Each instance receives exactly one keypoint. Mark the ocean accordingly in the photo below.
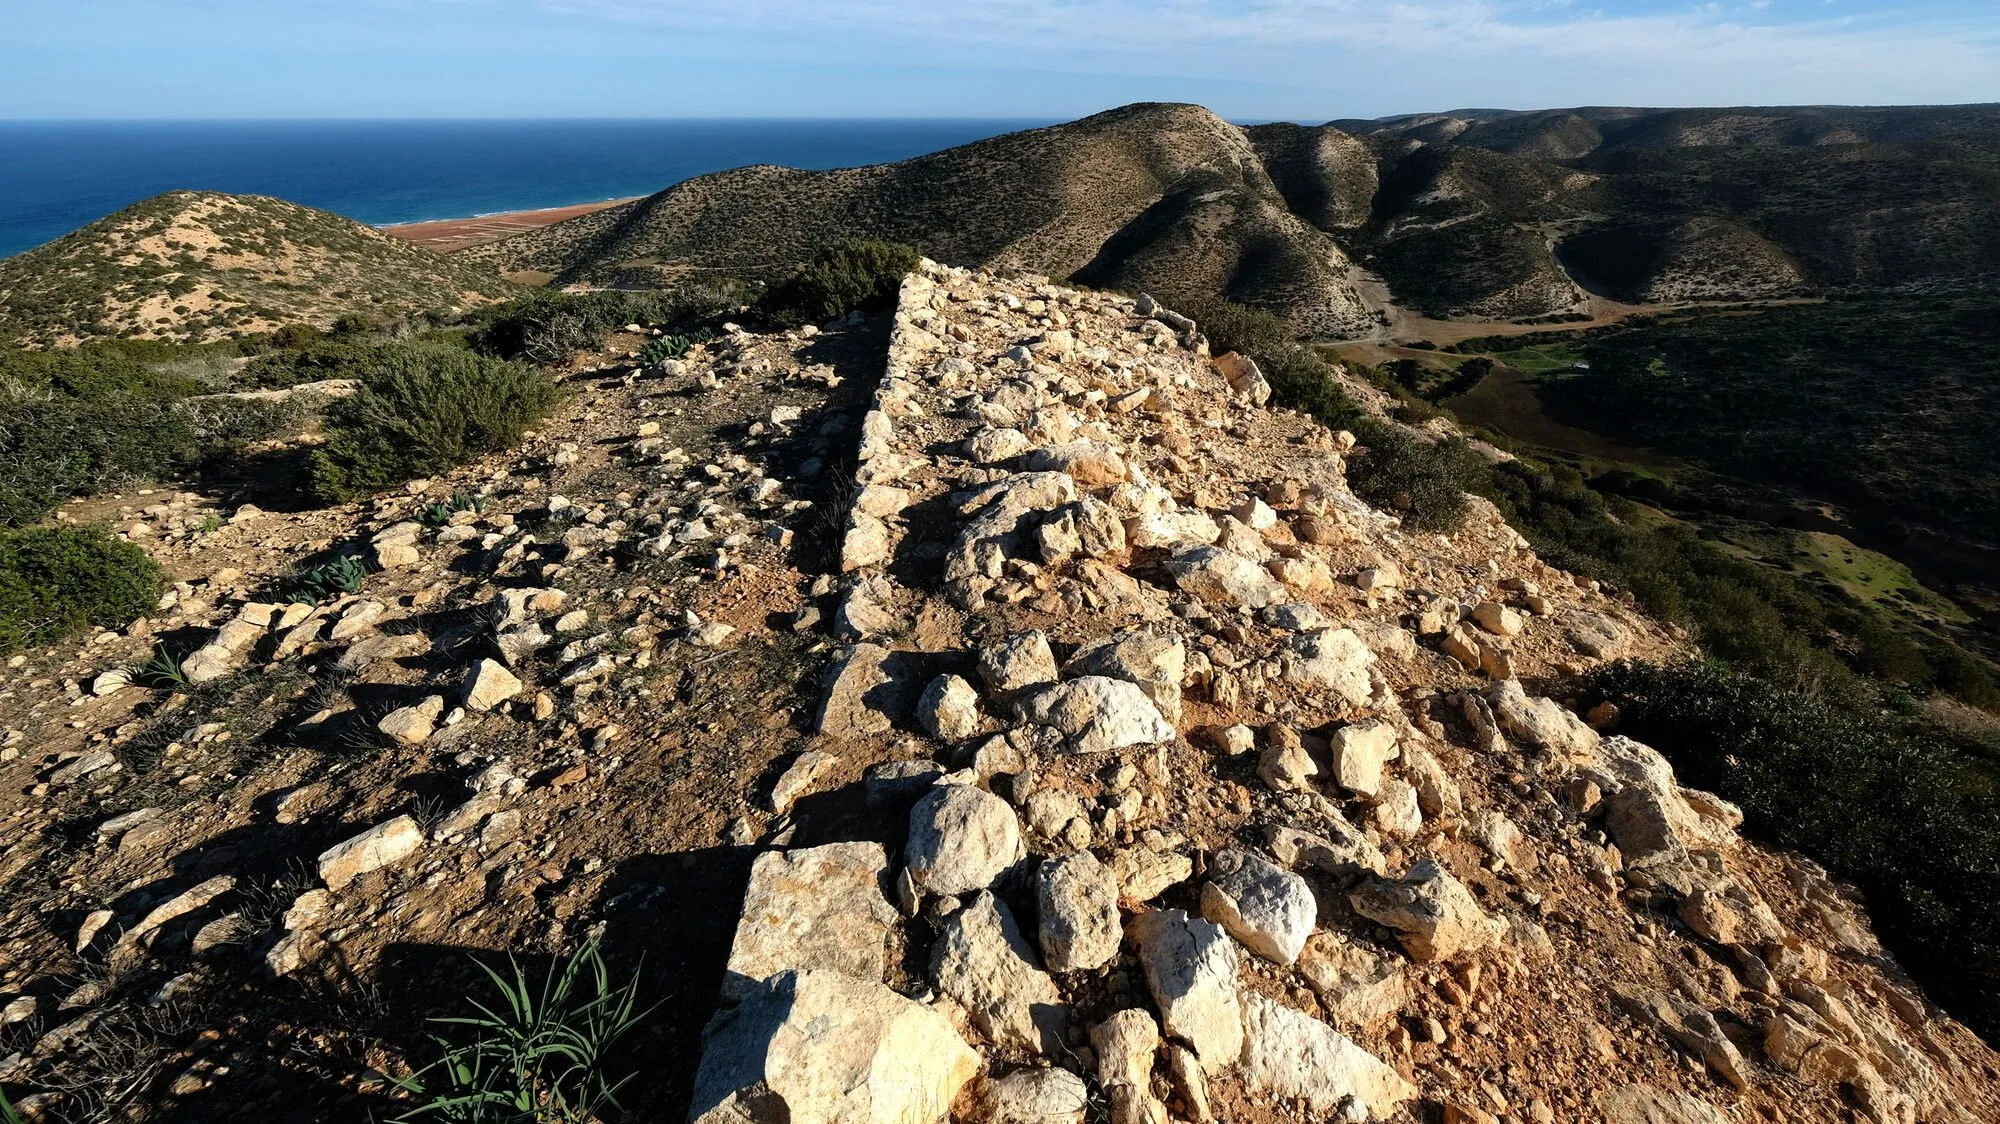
(56, 176)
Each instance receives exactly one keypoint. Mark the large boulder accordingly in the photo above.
(1157, 662)
(1266, 907)
(1190, 967)
(819, 1047)
(1097, 713)
(819, 907)
(1542, 723)
(985, 965)
(962, 839)
(1435, 917)
(1288, 1054)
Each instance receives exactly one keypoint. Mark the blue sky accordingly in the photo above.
(1248, 59)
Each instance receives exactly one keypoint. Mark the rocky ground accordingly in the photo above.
(1030, 727)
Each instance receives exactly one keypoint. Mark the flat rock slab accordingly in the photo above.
(820, 907)
(385, 844)
(853, 702)
(1288, 1054)
(1190, 967)
(819, 1047)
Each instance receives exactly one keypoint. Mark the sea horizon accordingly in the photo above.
(57, 175)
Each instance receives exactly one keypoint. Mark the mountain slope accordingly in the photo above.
(201, 265)
(1184, 191)
(1471, 215)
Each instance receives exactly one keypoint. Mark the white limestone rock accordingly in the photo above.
(1435, 917)
(961, 839)
(1333, 659)
(1268, 908)
(815, 908)
(385, 844)
(820, 1047)
(1220, 577)
(982, 961)
(1097, 713)
(1190, 967)
(1078, 899)
(1288, 1054)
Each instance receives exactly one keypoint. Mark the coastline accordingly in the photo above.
(446, 235)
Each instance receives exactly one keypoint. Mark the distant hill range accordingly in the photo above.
(193, 266)
(1480, 214)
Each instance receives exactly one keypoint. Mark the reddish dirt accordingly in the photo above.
(446, 235)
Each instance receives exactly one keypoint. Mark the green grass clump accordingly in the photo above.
(1897, 809)
(853, 273)
(422, 409)
(536, 1057)
(58, 581)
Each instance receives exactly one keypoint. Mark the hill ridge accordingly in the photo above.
(196, 266)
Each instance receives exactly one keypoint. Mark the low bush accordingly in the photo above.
(422, 409)
(57, 581)
(1894, 808)
(851, 274)
(55, 448)
(328, 580)
(547, 326)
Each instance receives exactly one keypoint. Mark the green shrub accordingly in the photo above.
(659, 350)
(547, 326)
(422, 409)
(1424, 480)
(851, 274)
(57, 581)
(52, 449)
(1892, 807)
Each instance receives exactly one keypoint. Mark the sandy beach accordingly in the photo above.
(446, 235)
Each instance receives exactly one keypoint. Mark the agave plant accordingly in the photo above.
(345, 574)
(662, 348)
(440, 513)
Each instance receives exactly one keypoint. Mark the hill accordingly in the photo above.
(195, 266)
(1162, 196)
(1482, 215)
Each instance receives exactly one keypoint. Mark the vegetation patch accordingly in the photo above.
(422, 409)
(1893, 808)
(56, 582)
(851, 274)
